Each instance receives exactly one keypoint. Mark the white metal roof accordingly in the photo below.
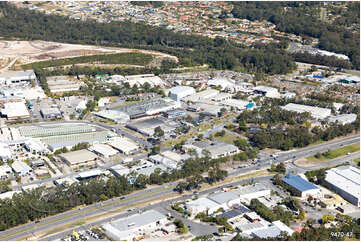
(124, 144)
(19, 166)
(316, 112)
(103, 149)
(181, 89)
(346, 178)
(15, 109)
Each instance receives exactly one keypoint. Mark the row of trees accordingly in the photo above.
(44, 202)
(299, 136)
(131, 58)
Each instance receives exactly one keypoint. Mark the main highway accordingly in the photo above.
(111, 209)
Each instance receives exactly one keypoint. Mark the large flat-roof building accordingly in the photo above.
(201, 96)
(304, 188)
(21, 168)
(218, 149)
(14, 77)
(270, 92)
(131, 227)
(54, 129)
(150, 107)
(179, 92)
(59, 84)
(316, 112)
(103, 150)
(124, 145)
(79, 158)
(343, 118)
(5, 152)
(202, 204)
(50, 113)
(114, 115)
(140, 80)
(147, 126)
(345, 180)
(15, 110)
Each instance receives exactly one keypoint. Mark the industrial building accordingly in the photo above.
(220, 149)
(113, 115)
(20, 168)
(5, 152)
(179, 92)
(345, 180)
(17, 77)
(5, 172)
(175, 113)
(119, 170)
(15, 110)
(68, 141)
(54, 129)
(65, 182)
(8, 195)
(159, 159)
(304, 188)
(201, 96)
(35, 146)
(124, 145)
(134, 226)
(343, 118)
(147, 126)
(272, 231)
(202, 205)
(140, 80)
(50, 113)
(270, 92)
(59, 84)
(150, 107)
(79, 158)
(316, 112)
(238, 104)
(103, 150)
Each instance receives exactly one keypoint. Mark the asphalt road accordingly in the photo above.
(101, 208)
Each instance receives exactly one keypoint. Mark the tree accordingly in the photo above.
(158, 132)
(327, 218)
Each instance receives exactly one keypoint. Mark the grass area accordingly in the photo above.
(133, 58)
(180, 138)
(204, 127)
(259, 173)
(332, 154)
(223, 119)
(357, 160)
(227, 138)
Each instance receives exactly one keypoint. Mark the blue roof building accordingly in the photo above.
(304, 187)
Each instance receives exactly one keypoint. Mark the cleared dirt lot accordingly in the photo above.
(32, 51)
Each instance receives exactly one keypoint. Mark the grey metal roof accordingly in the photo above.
(299, 183)
(271, 232)
(223, 197)
(234, 212)
(138, 220)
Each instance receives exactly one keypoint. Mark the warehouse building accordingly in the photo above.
(304, 188)
(65, 182)
(270, 92)
(5, 172)
(60, 84)
(35, 146)
(175, 113)
(150, 107)
(113, 115)
(15, 110)
(343, 118)
(119, 170)
(345, 180)
(124, 145)
(179, 92)
(50, 113)
(54, 129)
(250, 192)
(79, 158)
(202, 205)
(140, 80)
(159, 159)
(5, 152)
(135, 226)
(272, 231)
(238, 104)
(103, 150)
(20, 168)
(316, 112)
(201, 96)
(220, 149)
(68, 141)
(17, 77)
(146, 127)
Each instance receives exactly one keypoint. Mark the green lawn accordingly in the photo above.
(227, 138)
(332, 154)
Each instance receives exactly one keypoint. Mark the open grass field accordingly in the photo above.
(332, 154)
(227, 138)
